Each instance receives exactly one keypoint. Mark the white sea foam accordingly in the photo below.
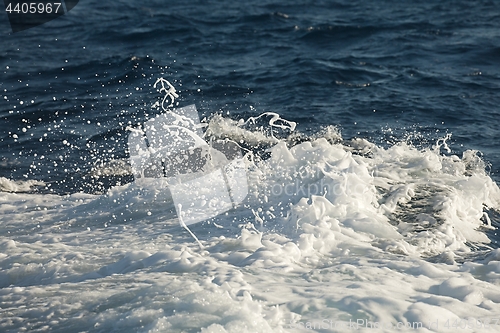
(333, 236)
(7, 185)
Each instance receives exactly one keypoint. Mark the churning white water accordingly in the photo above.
(335, 235)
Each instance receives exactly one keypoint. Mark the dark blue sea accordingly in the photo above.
(400, 97)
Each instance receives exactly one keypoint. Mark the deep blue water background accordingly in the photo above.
(383, 70)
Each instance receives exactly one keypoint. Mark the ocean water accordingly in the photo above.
(370, 136)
